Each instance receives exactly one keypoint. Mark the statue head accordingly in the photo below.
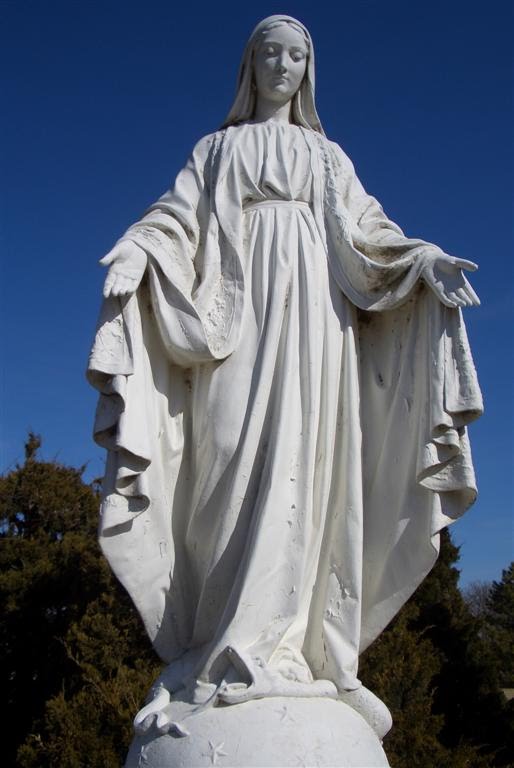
(252, 74)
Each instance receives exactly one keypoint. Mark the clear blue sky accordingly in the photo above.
(102, 102)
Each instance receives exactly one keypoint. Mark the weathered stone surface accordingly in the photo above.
(285, 385)
(266, 733)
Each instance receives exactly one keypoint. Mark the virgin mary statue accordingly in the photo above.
(285, 385)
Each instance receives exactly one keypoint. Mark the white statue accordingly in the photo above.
(285, 386)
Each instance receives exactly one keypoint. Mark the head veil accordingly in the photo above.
(303, 110)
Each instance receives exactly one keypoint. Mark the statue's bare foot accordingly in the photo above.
(370, 707)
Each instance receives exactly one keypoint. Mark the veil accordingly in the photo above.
(303, 107)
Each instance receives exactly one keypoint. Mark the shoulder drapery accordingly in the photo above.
(418, 389)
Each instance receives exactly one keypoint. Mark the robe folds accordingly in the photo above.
(284, 405)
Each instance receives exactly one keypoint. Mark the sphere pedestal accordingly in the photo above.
(265, 733)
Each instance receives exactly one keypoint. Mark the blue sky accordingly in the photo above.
(103, 101)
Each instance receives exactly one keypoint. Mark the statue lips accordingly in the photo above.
(279, 84)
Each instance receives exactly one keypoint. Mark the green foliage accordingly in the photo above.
(467, 685)
(498, 628)
(75, 663)
(90, 722)
(399, 668)
(73, 657)
(435, 671)
(476, 594)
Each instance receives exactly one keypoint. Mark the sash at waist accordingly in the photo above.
(274, 203)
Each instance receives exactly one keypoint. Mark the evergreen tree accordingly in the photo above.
(88, 723)
(499, 626)
(67, 631)
(434, 671)
(476, 595)
(467, 689)
(75, 663)
(399, 668)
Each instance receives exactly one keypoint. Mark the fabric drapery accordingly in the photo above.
(284, 406)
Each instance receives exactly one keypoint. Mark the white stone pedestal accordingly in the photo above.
(265, 733)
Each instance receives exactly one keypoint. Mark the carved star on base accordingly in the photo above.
(216, 752)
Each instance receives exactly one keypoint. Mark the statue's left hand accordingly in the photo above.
(444, 275)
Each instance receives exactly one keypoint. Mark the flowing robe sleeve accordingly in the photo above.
(187, 310)
(418, 393)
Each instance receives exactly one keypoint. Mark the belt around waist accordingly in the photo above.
(272, 203)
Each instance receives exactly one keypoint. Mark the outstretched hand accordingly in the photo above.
(445, 277)
(127, 263)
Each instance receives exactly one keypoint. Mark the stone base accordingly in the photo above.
(265, 733)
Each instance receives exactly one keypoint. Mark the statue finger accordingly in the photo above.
(109, 257)
(122, 285)
(443, 297)
(454, 296)
(463, 296)
(438, 288)
(475, 301)
(465, 264)
(109, 282)
(469, 296)
(129, 284)
(126, 286)
(118, 288)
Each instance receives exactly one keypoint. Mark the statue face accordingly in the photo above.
(280, 61)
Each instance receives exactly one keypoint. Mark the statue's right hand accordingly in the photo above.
(127, 262)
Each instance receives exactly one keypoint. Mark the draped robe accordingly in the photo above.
(284, 405)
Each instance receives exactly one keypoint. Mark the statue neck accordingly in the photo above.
(270, 110)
